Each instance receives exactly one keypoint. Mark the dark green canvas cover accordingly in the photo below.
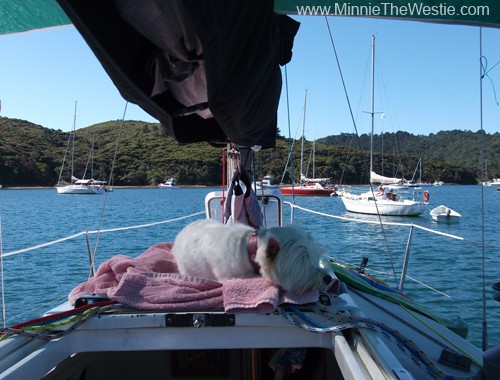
(209, 70)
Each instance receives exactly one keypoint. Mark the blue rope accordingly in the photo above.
(484, 66)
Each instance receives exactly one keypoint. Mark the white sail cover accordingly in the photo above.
(377, 178)
(303, 178)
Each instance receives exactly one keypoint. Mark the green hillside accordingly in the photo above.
(31, 155)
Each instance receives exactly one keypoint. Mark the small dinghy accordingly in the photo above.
(443, 214)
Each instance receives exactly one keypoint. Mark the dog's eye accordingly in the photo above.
(327, 279)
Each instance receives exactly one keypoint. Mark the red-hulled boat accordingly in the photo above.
(308, 189)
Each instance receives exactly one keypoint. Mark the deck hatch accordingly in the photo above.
(200, 320)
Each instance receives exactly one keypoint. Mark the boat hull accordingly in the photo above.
(446, 219)
(77, 189)
(383, 207)
(443, 214)
(301, 191)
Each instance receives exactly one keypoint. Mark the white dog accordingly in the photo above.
(286, 256)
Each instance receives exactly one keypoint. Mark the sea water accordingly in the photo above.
(450, 265)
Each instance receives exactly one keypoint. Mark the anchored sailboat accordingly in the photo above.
(79, 186)
(308, 186)
(387, 201)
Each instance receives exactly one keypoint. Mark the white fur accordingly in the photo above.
(212, 250)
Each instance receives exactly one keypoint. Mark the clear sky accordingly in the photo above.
(427, 78)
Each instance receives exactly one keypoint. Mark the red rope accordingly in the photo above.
(54, 317)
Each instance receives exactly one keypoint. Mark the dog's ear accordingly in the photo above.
(273, 247)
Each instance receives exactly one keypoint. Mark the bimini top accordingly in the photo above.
(207, 71)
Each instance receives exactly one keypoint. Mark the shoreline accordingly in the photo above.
(179, 187)
(113, 187)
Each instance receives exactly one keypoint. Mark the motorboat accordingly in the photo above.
(168, 184)
(444, 214)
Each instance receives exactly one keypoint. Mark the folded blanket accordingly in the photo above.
(152, 281)
(167, 291)
(258, 294)
(250, 294)
(156, 259)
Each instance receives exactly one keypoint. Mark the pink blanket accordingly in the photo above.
(151, 281)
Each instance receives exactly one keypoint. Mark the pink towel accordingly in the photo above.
(256, 294)
(250, 294)
(167, 291)
(156, 259)
(152, 281)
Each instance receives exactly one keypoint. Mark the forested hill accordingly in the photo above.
(32, 155)
(455, 147)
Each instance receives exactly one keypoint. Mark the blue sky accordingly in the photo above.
(426, 79)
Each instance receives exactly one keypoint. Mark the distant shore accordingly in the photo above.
(114, 187)
(156, 186)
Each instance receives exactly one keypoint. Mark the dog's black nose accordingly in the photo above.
(327, 279)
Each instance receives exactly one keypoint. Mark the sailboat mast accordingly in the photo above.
(303, 132)
(92, 157)
(373, 103)
(73, 147)
(420, 174)
(314, 155)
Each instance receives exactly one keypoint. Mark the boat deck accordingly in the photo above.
(109, 340)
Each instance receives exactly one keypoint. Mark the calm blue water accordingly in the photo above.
(33, 279)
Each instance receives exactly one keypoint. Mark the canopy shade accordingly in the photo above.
(17, 16)
(24, 15)
(464, 12)
(209, 70)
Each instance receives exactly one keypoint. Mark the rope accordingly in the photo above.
(401, 320)
(11, 253)
(46, 328)
(347, 219)
(414, 315)
(484, 66)
(343, 323)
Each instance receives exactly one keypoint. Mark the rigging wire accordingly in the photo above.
(481, 161)
(110, 180)
(4, 320)
(64, 158)
(73, 146)
(290, 151)
(360, 148)
(290, 142)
